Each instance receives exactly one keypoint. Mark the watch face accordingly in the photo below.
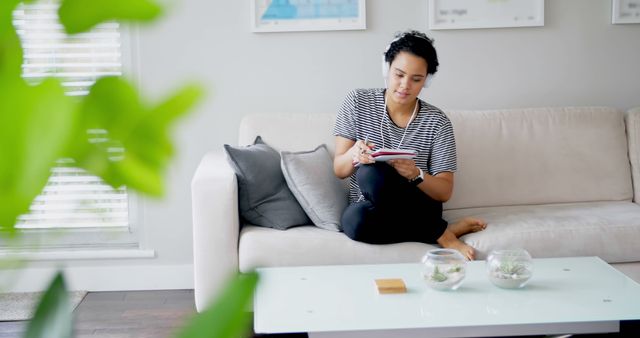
(418, 179)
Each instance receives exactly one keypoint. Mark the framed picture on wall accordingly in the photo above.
(307, 15)
(466, 14)
(625, 11)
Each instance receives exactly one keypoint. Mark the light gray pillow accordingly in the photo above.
(264, 198)
(309, 175)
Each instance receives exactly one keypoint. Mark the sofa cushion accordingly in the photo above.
(632, 121)
(310, 245)
(289, 131)
(609, 230)
(310, 177)
(264, 198)
(540, 156)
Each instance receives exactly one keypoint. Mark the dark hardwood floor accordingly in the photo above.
(159, 314)
(124, 314)
(129, 314)
(133, 313)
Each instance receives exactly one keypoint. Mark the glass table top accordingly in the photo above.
(344, 297)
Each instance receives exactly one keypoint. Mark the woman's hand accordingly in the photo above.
(405, 167)
(361, 152)
(348, 154)
(438, 187)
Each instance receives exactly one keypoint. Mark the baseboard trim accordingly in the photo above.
(61, 255)
(101, 278)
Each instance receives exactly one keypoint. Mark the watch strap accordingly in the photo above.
(418, 179)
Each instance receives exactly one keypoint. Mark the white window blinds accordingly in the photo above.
(72, 198)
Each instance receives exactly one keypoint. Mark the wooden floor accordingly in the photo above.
(128, 314)
(157, 314)
(123, 314)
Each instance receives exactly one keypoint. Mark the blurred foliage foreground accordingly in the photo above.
(39, 125)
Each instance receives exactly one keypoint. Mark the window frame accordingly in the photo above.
(92, 238)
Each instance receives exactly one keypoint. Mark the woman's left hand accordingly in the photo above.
(406, 168)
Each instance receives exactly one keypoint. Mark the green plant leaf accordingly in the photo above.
(133, 146)
(36, 123)
(53, 317)
(6, 12)
(228, 316)
(7, 6)
(10, 50)
(438, 276)
(152, 135)
(79, 16)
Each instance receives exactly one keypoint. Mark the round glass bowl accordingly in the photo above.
(509, 268)
(444, 269)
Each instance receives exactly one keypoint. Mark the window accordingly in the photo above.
(83, 209)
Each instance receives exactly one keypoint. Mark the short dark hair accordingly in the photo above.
(416, 43)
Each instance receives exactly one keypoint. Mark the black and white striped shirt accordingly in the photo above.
(430, 134)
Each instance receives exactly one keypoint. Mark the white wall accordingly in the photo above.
(577, 58)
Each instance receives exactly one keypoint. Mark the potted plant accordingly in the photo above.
(509, 268)
(40, 124)
(443, 269)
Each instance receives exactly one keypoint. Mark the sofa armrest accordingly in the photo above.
(632, 122)
(216, 226)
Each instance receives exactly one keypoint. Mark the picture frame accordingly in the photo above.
(472, 14)
(307, 15)
(625, 11)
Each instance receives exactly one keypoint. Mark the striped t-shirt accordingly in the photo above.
(430, 134)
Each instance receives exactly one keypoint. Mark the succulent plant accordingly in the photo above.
(512, 268)
(454, 269)
(438, 276)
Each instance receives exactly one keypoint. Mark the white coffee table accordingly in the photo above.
(565, 295)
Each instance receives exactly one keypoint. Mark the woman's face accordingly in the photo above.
(406, 78)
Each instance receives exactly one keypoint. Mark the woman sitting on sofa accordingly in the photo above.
(399, 200)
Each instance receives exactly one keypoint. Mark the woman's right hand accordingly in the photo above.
(361, 152)
(349, 154)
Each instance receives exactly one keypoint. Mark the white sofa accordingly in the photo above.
(555, 181)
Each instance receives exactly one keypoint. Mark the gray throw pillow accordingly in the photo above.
(309, 175)
(264, 197)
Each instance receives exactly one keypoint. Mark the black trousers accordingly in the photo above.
(392, 211)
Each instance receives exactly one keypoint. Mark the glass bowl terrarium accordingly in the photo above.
(509, 268)
(444, 269)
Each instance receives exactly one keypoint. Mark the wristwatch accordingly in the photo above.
(418, 179)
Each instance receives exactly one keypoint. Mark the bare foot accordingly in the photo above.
(450, 241)
(467, 251)
(466, 225)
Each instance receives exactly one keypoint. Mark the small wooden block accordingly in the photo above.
(393, 285)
